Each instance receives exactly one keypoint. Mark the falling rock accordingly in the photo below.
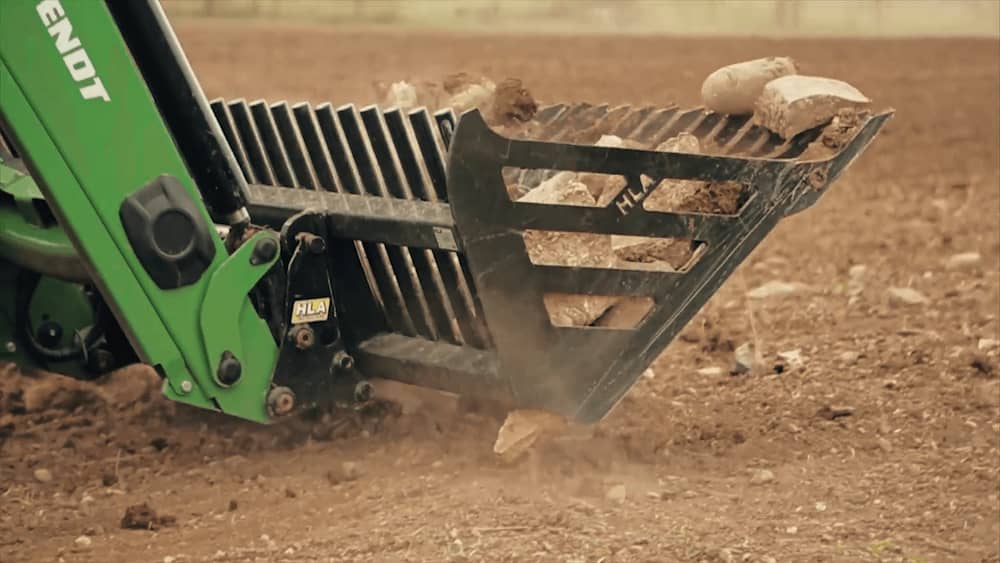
(792, 104)
(616, 493)
(43, 475)
(907, 296)
(744, 359)
(962, 260)
(774, 288)
(522, 429)
(761, 476)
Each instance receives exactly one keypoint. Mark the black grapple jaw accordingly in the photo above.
(429, 272)
(582, 372)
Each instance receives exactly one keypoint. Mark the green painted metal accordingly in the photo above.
(89, 154)
(54, 300)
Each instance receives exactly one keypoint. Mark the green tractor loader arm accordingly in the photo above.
(265, 258)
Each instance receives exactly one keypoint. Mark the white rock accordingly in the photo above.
(962, 260)
(744, 358)
(616, 493)
(522, 429)
(793, 357)
(711, 370)
(83, 541)
(43, 475)
(849, 357)
(986, 344)
(733, 89)
(774, 288)
(792, 104)
(649, 374)
(820, 506)
(792, 530)
(611, 141)
(907, 296)
(169, 559)
(761, 476)
(857, 271)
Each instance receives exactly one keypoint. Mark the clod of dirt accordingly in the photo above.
(130, 385)
(733, 89)
(513, 103)
(474, 96)
(233, 505)
(982, 364)
(836, 135)
(522, 429)
(55, 392)
(143, 517)
(43, 475)
(834, 412)
(906, 296)
(347, 471)
(108, 479)
(289, 493)
(792, 104)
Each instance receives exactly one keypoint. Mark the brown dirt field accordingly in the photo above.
(912, 474)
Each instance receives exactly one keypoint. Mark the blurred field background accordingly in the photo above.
(773, 18)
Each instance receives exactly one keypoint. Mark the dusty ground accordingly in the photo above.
(910, 475)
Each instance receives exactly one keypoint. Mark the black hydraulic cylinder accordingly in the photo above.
(177, 94)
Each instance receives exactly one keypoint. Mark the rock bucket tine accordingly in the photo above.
(272, 144)
(252, 143)
(433, 150)
(548, 113)
(466, 328)
(336, 144)
(225, 120)
(397, 267)
(319, 154)
(555, 126)
(428, 288)
(653, 124)
(445, 120)
(469, 313)
(628, 127)
(291, 140)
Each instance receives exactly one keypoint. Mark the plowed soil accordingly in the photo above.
(880, 444)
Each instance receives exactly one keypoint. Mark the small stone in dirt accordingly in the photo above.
(233, 505)
(849, 357)
(987, 344)
(793, 357)
(761, 476)
(774, 288)
(962, 260)
(83, 541)
(43, 475)
(834, 412)
(726, 556)
(744, 359)
(982, 365)
(348, 471)
(289, 493)
(792, 530)
(169, 559)
(907, 296)
(616, 493)
(712, 370)
(143, 517)
(885, 445)
(820, 506)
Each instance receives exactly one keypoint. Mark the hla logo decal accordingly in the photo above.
(74, 55)
(310, 310)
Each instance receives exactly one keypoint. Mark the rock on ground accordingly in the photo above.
(907, 296)
(792, 104)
